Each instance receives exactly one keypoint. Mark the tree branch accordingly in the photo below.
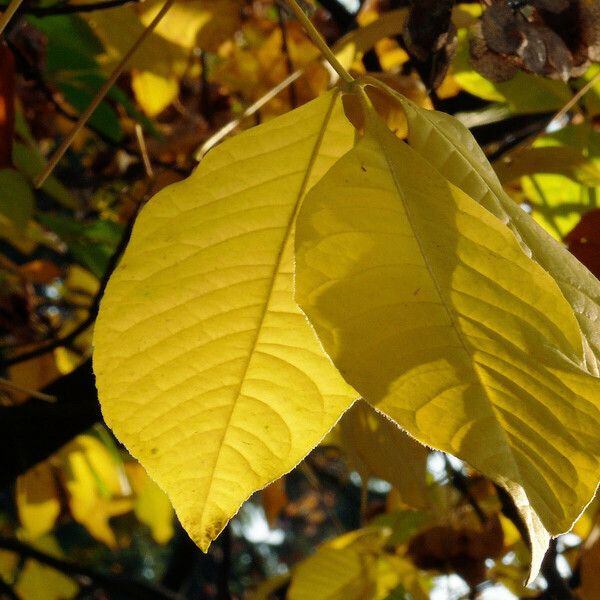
(68, 9)
(136, 589)
(32, 431)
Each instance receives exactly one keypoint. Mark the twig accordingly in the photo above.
(223, 592)
(11, 386)
(8, 14)
(319, 42)
(460, 482)
(87, 113)
(139, 134)
(6, 591)
(205, 100)
(528, 141)
(139, 590)
(558, 588)
(87, 322)
(216, 137)
(68, 9)
(286, 52)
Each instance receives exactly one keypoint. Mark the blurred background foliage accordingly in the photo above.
(366, 515)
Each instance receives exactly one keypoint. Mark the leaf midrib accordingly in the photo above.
(276, 267)
(467, 347)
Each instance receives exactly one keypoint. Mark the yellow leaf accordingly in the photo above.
(590, 571)
(351, 567)
(38, 502)
(430, 309)
(354, 44)
(166, 52)
(550, 159)
(152, 507)
(377, 447)
(9, 561)
(40, 582)
(453, 151)
(153, 92)
(206, 368)
(274, 499)
(334, 574)
(265, 590)
(92, 481)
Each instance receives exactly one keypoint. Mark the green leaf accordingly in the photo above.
(453, 151)
(91, 244)
(31, 163)
(104, 118)
(206, 368)
(71, 45)
(430, 309)
(16, 197)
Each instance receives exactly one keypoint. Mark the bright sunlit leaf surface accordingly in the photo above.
(432, 311)
(206, 368)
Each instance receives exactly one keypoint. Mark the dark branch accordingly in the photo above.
(137, 589)
(32, 431)
(6, 591)
(68, 9)
(86, 323)
(461, 483)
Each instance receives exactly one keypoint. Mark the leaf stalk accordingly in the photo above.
(319, 42)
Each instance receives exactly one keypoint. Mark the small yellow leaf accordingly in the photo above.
(206, 368)
(153, 92)
(92, 482)
(346, 568)
(355, 43)
(38, 501)
(274, 499)
(152, 506)
(377, 447)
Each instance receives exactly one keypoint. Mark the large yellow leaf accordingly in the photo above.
(205, 366)
(377, 447)
(430, 309)
(452, 150)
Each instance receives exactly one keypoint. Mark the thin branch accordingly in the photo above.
(68, 9)
(87, 322)
(139, 133)
(6, 591)
(216, 137)
(319, 42)
(8, 14)
(286, 52)
(11, 386)
(223, 592)
(87, 113)
(461, 483)
(528, 141)
(137, 589)
(558, 588)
